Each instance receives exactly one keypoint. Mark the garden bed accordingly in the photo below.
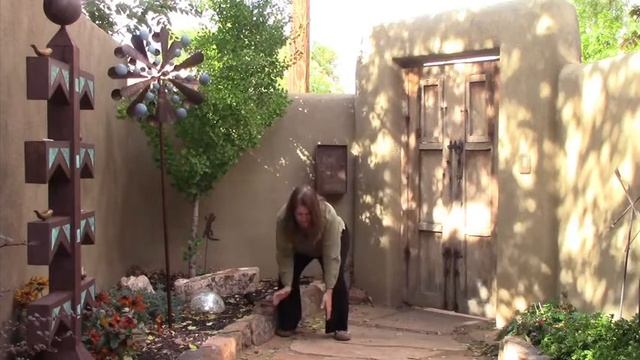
(190, 330)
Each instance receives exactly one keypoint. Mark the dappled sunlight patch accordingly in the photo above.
(478, 216)
(544, 90)
(593, 101)
(546, 25)
(510, 62)
(572, 148)
(381, 149)
(453, 45)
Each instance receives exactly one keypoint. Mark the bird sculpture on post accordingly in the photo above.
(61, 160)
(161, 92)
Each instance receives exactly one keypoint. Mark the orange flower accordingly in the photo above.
(137, 304)
(127, 322)
(115, 321)
(125, 301)
(159, 323)
(102, 298)
(94, 336)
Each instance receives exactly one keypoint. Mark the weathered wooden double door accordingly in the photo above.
(450, 186)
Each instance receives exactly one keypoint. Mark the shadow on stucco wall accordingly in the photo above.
(599, 121)
(532, 51)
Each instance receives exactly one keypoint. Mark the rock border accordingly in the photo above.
(259, 327)
(516, 348)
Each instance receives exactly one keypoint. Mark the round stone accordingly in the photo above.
(121, 70)
(204, 79)
(140, 110)
(62, 12)
(181, 113)
(185, 40)
(177, 53)
(175, 98)
(189, 78)
(156, 86)
(144, 34)
(149, 96)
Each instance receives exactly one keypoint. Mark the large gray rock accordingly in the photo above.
(214, 348)
(240, 331)
(311, 299)
(236, 281)
(515, 348)
(262, 328)
(137, 283)
(358, 296)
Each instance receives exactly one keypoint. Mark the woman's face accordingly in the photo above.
(303, 218)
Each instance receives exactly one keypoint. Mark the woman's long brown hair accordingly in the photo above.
(307, 197)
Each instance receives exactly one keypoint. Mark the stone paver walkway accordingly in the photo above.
(384, 334)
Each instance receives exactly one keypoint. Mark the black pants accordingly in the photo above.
(290, 308)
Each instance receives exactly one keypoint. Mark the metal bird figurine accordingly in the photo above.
(42, 52)
(44, 215)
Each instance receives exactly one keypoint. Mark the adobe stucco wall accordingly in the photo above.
(247, 198)
(599, 119)
(124, 199)
(535, 39)
(125, 193)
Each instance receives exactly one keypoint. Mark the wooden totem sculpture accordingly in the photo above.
(61, 160)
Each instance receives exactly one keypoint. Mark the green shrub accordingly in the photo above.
(561, 332)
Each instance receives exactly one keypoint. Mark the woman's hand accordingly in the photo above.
(281, 295)
(327, 302)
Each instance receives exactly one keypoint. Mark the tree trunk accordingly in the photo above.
(194, 236)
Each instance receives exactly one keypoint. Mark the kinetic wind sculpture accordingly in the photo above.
(60, 161)
(162, 93)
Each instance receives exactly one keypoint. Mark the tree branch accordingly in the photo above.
(6, 241)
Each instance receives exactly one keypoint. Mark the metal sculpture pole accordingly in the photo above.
(60, 160)
(161, 95)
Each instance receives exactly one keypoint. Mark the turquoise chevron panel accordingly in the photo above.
(53, 152)
(65, 74)
(54, 73)
(65, 154)
(54, 236)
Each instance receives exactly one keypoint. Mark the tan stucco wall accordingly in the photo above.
(535, 39)
(247, 198)
(125, 193)
(598, 113)
(124, 199)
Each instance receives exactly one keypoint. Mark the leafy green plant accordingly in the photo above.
(323, 77)
(607, 28)
(561, 332)
(535, 322)
(118, 17)
(243, 99)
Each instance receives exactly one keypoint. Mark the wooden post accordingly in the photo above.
(298, 74)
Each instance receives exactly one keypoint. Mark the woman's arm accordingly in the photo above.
(331, 246)
(284, 254)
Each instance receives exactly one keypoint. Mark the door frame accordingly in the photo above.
(412, 78)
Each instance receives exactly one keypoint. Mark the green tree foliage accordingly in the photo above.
(243, 99)
(607, 28)
(323, 78)
(631, 40)
(136, 13)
